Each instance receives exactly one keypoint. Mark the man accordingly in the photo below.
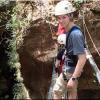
(75, 56)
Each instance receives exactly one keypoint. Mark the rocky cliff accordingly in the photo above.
(39, 47)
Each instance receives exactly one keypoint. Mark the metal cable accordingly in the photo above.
(89, 55)
(92, 39)
(85, 26)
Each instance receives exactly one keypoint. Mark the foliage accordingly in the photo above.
(18, 24)
(13, 62)
(4, 2)
(10, 65)
(19, 91)
(78, 3)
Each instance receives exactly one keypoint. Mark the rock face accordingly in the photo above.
(36, 58)
(39, 49)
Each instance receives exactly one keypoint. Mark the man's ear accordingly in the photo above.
(70, 16)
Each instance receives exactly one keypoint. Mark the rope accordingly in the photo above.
(92, 40)
(89, 55)
(85, 26)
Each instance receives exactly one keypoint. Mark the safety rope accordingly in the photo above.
(84, 24)
(89, 55)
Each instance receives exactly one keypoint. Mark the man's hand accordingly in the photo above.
(71, 84)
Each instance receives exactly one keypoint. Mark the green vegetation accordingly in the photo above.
(10, 65)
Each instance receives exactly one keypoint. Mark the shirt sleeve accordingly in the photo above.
(78, 42)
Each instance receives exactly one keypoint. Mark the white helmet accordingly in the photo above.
(62, 39)
(64, 7)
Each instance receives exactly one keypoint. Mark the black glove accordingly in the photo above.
(56, 70)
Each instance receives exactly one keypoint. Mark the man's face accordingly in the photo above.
(63, 20)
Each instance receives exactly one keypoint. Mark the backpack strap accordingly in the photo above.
(67, 36)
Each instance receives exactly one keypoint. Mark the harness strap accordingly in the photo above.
(66, 54)
(67, 36)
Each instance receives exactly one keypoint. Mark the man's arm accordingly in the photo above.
(79, 66)
(79, 50)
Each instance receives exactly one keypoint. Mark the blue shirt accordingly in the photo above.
(75, 47)
(76, 43)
